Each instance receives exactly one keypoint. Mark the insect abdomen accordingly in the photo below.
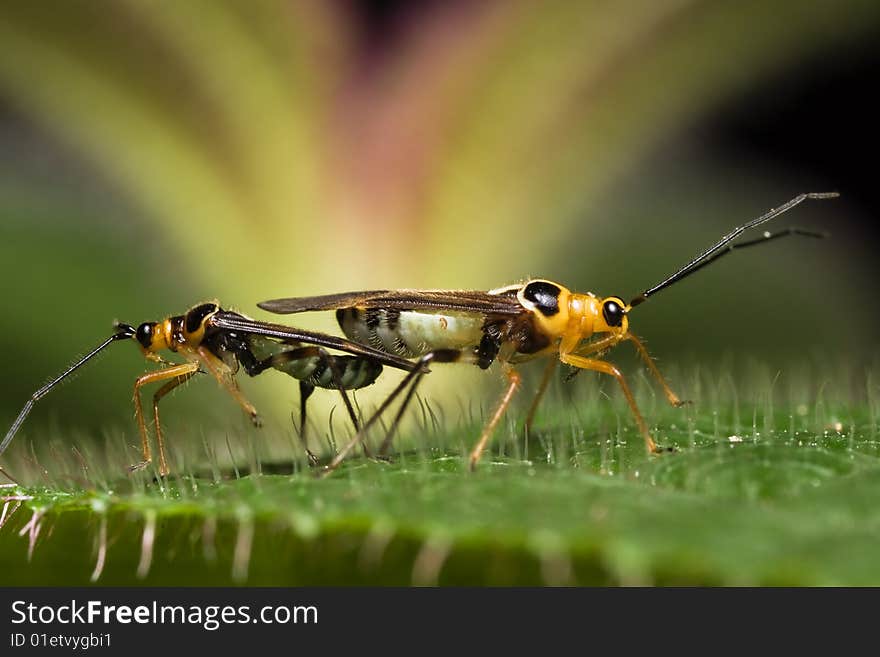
(410, 333)
(353, 372)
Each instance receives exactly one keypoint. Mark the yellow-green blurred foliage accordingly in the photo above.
(161, 153)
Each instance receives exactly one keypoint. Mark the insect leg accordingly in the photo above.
(439, 356)
(305, 391)
(336, 377)
(607, 368)
(220, 371)
(595, 347)
(646, 357)
(545, 382)
(386, 443)
(173, 372)
(514, 379)
(278, 361)
(412, 379)
(307, 386)
(161, 392)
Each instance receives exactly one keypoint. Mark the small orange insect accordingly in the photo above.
(217, 341)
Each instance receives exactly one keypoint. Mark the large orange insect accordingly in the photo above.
(512, 324)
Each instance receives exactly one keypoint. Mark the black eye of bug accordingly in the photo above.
(544, 295)
(613, 313)
(196, 316)
(144, 334)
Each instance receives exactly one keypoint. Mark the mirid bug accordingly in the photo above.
(216, 341)
(511, 324)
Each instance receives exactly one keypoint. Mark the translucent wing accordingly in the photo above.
(230, 321)
(504, 303)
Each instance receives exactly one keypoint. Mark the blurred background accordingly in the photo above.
(157, 154)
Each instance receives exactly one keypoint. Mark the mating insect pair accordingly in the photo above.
(409, 330)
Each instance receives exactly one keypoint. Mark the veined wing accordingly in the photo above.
(234, 322)
(499, 303)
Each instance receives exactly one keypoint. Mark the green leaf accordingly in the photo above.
(793, 504)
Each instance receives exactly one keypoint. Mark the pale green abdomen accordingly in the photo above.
(411, 333)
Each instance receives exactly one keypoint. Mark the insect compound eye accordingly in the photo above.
(613, 312)
(544, 295)
(197, 315)
(144, 334)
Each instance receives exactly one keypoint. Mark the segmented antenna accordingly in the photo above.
(125, 332)
(718, 250)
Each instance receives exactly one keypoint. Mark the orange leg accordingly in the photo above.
(161, 392)
(514, 379)
(220, 371)
(185, 370)
(671, 397)
(613, 339)
(606, 368)
(545, 382)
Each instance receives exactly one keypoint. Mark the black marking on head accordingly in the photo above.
(544, 295)
(144, 334)
(197, 315)
(613, 312)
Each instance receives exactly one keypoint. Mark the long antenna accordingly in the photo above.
(718, 249)
(125, 332)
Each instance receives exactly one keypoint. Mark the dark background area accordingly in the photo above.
(819, 117)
